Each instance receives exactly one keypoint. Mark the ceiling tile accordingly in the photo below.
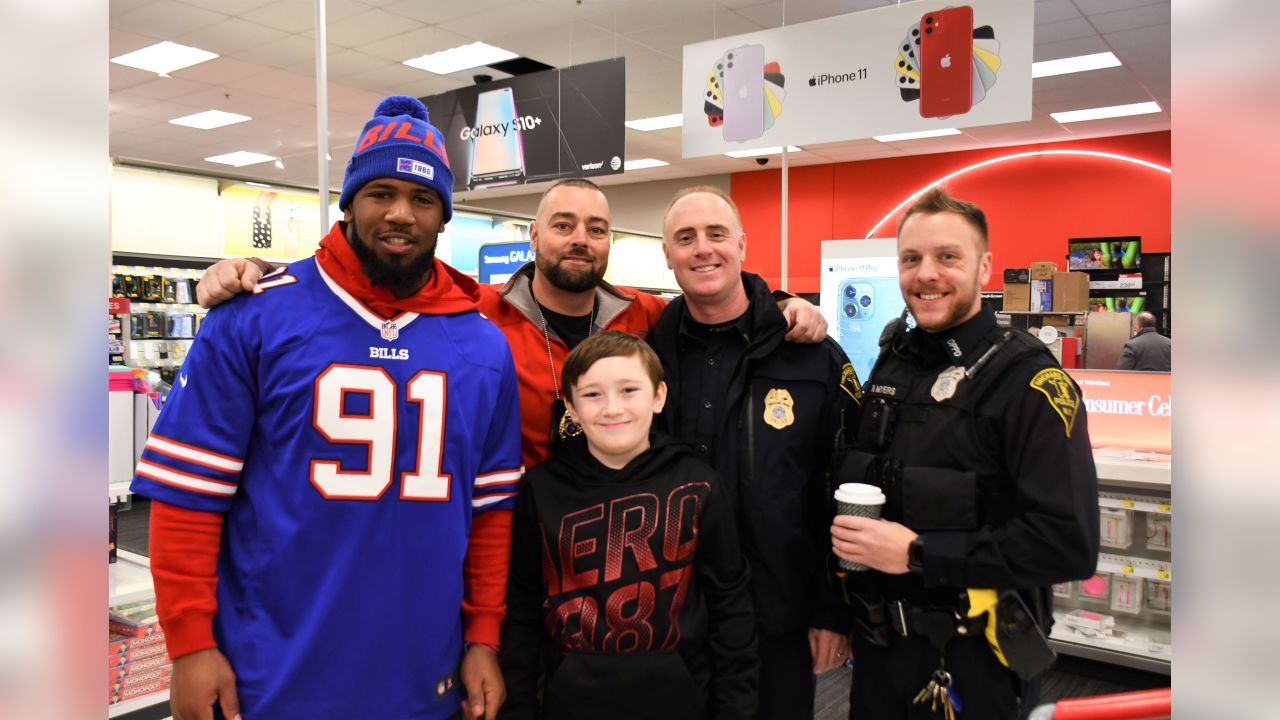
(439, 12)
(1094, 7)
(359, 30)
(1069, 48)
(528, 16)
(1048, 11)
(280, 53)
(415, 43)
(120, 77)
(1141, 17)
(228, 7)
(1064, 30)
(231, 36)
(164, 88)
(1157, 36)
(222, 71)
(165, 19)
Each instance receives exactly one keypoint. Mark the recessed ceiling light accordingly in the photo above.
(643, 164)
(240, 158)
(1080, 63)
(941, 132)
(661, 122)
(762, 151)
(279, 163)
(164, 57)
(1105, 112)
(465, 57)
(210, 119)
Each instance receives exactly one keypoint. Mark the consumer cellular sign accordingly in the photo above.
(1128, 410)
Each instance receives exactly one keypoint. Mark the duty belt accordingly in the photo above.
(937, 625)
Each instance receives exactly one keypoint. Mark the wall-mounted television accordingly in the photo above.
(1104, 253)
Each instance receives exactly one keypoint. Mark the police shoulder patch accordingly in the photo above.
(1061, 393)
(849, 383)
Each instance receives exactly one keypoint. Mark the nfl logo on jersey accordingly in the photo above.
(390, 331)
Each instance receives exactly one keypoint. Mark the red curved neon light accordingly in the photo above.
(1006, 158)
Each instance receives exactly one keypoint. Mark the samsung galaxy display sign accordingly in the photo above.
(547, 125)
(499, 261)
(915, 66)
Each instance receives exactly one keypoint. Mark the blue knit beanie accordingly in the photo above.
(400, 143)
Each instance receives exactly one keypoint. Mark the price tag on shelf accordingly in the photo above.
(1162, 574)
(1165, 509)
(1128, 504)
(1126, 569)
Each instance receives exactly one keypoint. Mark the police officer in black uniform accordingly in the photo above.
(980, 443)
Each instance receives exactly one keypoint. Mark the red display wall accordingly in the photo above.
(1033, 204)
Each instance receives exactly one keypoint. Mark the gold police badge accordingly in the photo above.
(1061, 393)
(777, 408)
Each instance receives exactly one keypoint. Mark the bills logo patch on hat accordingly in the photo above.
(415, 167)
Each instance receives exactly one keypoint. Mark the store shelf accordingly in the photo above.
(129, 579)
(146, 701)
(1133, 469)
(1123, 565)
(1043, 312)
(118, 492)
(1132, 645)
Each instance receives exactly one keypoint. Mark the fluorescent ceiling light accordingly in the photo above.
(643, 164)
(915, 135)
(477, 54)
(661, 122)
(1080, 63)
(210, 119)
(762, 151)
(1106, 112)
(257, 184)
(240, 158)
(164, 57)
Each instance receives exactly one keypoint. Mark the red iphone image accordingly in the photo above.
(946, 66)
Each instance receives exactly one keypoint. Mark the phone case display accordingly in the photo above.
(1117, 528)
(163, 316)
(1063, 590)
(1159, 532)
(1097, 588)
(1126, 595)
(1158, 599)
(1090, 624)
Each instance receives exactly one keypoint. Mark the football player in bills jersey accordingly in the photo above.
(627, 596)
(334, 471)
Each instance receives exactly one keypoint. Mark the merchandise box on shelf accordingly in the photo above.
(1043, 270)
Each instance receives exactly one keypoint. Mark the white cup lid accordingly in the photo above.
(859, 494)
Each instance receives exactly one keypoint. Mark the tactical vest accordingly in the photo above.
(918, 442)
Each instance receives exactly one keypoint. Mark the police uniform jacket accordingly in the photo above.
(772, 447)
(993, 470)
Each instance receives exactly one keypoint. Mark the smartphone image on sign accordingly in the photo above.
(863, 307)
(946, 68)
(497, 152)
(743, 88)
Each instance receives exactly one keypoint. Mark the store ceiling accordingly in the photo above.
(266, 70)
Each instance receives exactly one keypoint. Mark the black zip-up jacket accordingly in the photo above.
(775, 468)
(627, 595)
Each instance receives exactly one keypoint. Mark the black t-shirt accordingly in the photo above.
(572, 329)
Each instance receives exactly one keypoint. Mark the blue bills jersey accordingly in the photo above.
(350, 454)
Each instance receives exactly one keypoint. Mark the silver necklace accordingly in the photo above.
(568, 427)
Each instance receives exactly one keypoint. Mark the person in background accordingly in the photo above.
(1148, 350)
(627, 596)
(764, 412)
(980, 443)
(334, 471)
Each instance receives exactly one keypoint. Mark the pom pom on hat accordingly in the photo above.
(399, 142)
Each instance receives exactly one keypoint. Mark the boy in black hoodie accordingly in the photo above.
(627, 595)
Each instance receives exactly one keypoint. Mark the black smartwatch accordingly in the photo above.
(915, 556)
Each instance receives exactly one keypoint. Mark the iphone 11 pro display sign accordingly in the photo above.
(858, 295)
(565, 122)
